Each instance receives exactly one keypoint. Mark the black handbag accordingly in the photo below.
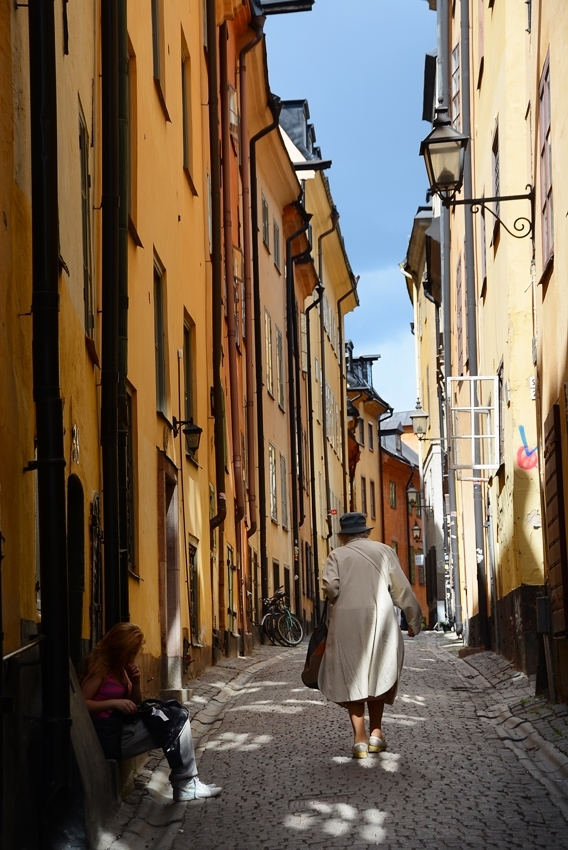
(316, 649)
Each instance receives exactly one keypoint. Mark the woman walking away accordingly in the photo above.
(110, 683)
(363, 657)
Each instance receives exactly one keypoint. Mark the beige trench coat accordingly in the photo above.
(364, 651)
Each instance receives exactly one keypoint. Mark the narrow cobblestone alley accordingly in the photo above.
(448, 780)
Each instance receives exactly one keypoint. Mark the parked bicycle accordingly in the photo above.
(278, 622)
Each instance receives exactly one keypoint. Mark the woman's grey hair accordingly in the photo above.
(345, 538)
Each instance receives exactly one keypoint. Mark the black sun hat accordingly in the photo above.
(353, 523)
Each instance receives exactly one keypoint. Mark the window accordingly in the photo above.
(186, 112)
(419, 556)
(372, 499)
(456, 85)
(130, 484)
(480, 39)
(188, 376)
(394, 546)
(231, 568)
(268, 352)
(276, 244)
(284, 491)
(88, 290)
(272, 482)
(392, 494)
(159, 339)
(496, 176)
(361, 432)
(279, 369)
(460, 316)
(547, 223)
(412, 566)
(158, 52)
(265, 222)
(193, 595)
(371, 438)
(275, 575)
(364, 495)
(304, 339)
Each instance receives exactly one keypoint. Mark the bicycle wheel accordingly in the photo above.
(290, 629)
(269, 627)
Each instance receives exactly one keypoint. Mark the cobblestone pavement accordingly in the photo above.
(461, 769)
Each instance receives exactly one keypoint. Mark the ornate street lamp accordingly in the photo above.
(419, 419)
(416, 531)
(444, 156)
(191, 430)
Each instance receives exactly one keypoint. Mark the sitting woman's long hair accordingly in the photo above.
(116, 649)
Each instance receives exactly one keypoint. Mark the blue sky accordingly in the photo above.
(360, 65)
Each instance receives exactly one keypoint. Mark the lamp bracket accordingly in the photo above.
(522, 225)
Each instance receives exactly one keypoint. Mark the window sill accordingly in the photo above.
(162, 99)
(134, 233)
(546, 273)
(190, 458)
(92, 351)
(189, 178)
(275, 521)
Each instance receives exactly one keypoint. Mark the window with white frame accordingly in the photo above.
(276, 244)
(272, 483)
(268, 352)
(265, 222)
(279, 369)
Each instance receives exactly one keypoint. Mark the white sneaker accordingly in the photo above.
(195, 790)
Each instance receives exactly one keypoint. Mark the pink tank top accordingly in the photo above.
(111, 689)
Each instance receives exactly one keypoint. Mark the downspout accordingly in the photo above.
(230, 283)
(302, 257)
(123, 169)
(408, 483)
(342, 380)
(443, 100)
(275, 108)
(216, 272)
(294, 445)
(472, 327)
(315, 553)
(110, 287)
(334, 221)
(258, 24)
(55, 765)
(386, 415)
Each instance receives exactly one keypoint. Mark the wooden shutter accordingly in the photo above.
(555, 523)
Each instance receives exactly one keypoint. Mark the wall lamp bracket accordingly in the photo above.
(522, 226)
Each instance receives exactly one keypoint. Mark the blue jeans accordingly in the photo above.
(136, 739)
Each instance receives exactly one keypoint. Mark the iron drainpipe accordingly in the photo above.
(471, 300)
(387, 415)
(110, 288)
(216, 269)
(55, 704)
(342, 381)
(295, 449)
(230, 281)
(258, 24)
(315, 553)
(408, 483)
(275, 107)
(443, 100)
(334, 221)
(123, 169)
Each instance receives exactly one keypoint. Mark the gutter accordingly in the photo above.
(295, 448)
(258, 24)
(275, 108)
(110, 273)
(334, 215)
(230, 281)
(216, 270)
(122, 400)
(54, 757)
(320, 291)
(343, 380)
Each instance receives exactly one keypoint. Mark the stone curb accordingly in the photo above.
(148, 817)
(540, 757)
